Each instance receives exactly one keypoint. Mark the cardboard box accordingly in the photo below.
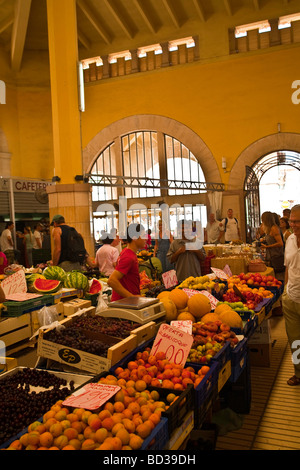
(260, 354)
(74, 305)
(7, 363)
(262, 334)
(81, 359)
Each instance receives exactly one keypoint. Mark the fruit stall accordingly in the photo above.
(139, 375)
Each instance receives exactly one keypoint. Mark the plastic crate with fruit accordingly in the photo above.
(158, 438)
(239, 357)
(205, 393)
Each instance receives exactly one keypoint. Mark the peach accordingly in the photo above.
(46, 439)
(88, 444)
(71, 433)
(135, 442)
(100, 435)
(61, 441)
(56, 429)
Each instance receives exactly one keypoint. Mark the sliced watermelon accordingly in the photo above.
(95, 287)
(45, 286)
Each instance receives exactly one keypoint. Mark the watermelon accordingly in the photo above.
(30, 280)
(95, 287)
(76, 280)
(45, 286)
(54, 272)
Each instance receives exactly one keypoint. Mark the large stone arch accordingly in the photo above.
(154, 123)
(258, 149)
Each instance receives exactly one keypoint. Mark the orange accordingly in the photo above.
(135, 442)
(143, 430)
(100, 435)
(46, 439)
(124, 436)
(88, 444)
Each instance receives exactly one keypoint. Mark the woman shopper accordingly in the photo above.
(161, 247)
(28, 241)
(273, 244)
(285, 228)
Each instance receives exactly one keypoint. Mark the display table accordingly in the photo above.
(236, 265)
(268, 272)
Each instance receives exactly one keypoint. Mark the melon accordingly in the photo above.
(54, 272)
(185, 316)
(164, 293)
(170, 308)
(179, 297)
(30, 280)
(76, 280)
(45, 286)
(231, 318)
(210, 317)
(95, 287)
(199, 305)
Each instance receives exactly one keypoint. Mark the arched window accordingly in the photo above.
(137, 169)
(184, 170)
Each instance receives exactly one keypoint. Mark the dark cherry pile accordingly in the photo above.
(19, 407)
(108, 326)
(73, 338)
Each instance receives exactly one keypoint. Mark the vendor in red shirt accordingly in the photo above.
(125, 280)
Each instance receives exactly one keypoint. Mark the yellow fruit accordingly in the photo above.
(199, 305)
(185, 316)
(170, 308)
(179, 297)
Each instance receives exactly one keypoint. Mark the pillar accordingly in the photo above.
(68, 197)
(63, 56)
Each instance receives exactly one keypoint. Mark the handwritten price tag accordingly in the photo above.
(176, 344)
(212, 299)
(170, 279)
(184, 325)
(219, 273)
(227, 270)
(15, 283)
(92, 396)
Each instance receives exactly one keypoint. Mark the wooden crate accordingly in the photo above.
(145, 332)
(81, 359)
(15, 329)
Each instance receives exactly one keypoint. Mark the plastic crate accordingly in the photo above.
(205, 393)
(158, 438)
(249, 325)
(239, 358)
(179, 408)
(15, 309)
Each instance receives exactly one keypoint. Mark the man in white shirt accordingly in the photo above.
(7, 243)
(291, 295)
(38, 237)
(230, 225)
(212, 231)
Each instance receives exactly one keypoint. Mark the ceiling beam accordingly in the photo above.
(146, 17)
(119, 18)
(200, 10)
(6, 23)
(83, 39)
(90, 15)
(170, 9)
(228, 7)
(22, 11)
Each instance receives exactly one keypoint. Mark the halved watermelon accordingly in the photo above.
(45, 286)
(95, 287)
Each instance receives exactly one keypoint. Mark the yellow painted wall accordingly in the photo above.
(229, 103)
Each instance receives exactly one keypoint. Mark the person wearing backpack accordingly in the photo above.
(68, 246)
(230, 226)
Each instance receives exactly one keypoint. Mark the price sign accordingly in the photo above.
(15, 283)
(212, 299)
(92, 396)
(227, 270)
(219, 273)
(170, 279)
(184, 325)
(175, 343)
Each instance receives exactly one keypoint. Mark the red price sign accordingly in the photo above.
(92, 396)
(175, 343)
(170, 279)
